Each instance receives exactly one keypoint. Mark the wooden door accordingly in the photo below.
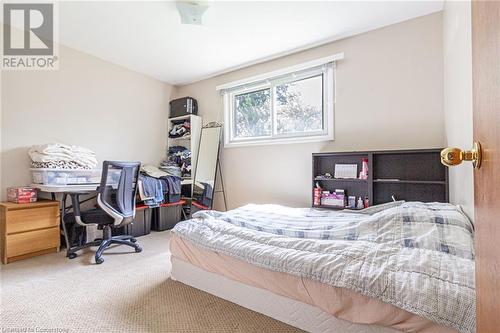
(486, 96)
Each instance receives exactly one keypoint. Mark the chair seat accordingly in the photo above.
(91, 216)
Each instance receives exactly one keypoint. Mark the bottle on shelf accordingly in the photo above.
(364, 169)
(317, 195)
(360, 204)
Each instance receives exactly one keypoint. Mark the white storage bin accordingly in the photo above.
(65, 176)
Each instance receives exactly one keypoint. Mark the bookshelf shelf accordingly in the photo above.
(411, 175)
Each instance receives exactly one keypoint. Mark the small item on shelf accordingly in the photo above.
(364, 169)
(21, 194)
(351, 202)
(343, 193)
(332, 199)
(324, 176)
(360, 204)
(317, 195)
(346, 171)
(183, 106)
(367, 202)
(335, 199)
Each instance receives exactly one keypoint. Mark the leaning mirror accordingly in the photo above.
(206, 168)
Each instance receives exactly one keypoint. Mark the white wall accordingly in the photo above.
(458, 96)
(118, 113)
(389, 91)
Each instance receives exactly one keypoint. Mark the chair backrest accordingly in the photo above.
(116, 194)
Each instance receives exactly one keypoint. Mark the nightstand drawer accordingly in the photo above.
(31, 219)
(32, 241)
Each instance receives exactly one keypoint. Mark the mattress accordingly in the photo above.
(341, 303)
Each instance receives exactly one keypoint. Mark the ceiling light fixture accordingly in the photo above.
(191, 12)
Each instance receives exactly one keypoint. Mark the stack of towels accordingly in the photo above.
(61, 156)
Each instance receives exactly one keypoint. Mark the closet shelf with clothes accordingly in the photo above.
(180, 129)
(184, 134)
(177, 162)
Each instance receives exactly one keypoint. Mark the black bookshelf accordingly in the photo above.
(411, 175)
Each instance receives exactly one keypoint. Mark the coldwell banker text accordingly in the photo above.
(28, 37)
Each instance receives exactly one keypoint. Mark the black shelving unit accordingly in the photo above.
(411, 175)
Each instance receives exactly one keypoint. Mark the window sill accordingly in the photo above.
(270, 142)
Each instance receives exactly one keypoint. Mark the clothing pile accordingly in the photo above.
(61, 156)
(178, 162)
(171, 167)
(157, 187)
(180, 129)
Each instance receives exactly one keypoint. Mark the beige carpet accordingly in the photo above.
(129, 292)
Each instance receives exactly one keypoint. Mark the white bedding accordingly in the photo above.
(415, 256)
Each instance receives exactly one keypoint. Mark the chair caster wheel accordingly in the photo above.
(138, 249)
(72, 255)
(133, 240)
(99, 261)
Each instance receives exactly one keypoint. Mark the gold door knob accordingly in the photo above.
(455, 156)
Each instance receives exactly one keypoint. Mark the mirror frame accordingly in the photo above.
(207, 126)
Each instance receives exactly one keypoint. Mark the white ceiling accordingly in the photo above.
(147, 36)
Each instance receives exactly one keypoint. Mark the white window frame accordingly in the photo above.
(324, 66)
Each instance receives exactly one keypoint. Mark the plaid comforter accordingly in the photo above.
(416, 256)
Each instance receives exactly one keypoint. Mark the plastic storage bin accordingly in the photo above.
(167, 216)
(141, 225)
(72, 177)
(65, 177)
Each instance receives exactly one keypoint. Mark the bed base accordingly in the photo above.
(301, 315)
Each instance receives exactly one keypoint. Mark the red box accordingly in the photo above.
(21, 194)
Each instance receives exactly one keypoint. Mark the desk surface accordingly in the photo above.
(66, 188)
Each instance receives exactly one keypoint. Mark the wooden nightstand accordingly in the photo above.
(28, 230)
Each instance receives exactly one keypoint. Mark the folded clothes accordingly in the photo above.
(178, 161)
(172, 170)
(57, 152)
(153, 171)
(51, 148)
(177, 149)
(180, 129)
(67, 165)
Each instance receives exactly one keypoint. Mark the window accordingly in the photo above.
(291, 105)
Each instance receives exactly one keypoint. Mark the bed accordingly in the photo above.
(398, 267)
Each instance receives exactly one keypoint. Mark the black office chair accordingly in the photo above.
(116, 200)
